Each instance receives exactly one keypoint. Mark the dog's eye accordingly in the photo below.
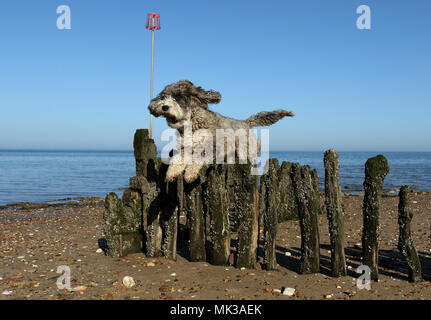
(162, 97)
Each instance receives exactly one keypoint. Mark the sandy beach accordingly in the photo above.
(36, 239)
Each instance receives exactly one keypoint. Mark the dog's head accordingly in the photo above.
(177, 100)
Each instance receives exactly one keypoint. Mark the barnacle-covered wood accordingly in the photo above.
(335, 213)
(247, 214)
(145, 151)
(271, 198)
(310, 243)
(316, 199)
(376, 169)
(195, 219)
(122, 223)
(405, 241)
(169, 217)
(288, 209)
(216, 207)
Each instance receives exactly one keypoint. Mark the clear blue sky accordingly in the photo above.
(88, 88)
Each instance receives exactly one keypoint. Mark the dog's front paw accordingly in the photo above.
(189, 178)
(170, 178)
(174, 171)
(192, 173)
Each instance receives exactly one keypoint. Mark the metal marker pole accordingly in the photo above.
(152, 74)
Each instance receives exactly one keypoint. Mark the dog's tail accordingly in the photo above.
(265, 118)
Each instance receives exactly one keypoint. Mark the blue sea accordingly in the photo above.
(45, 176)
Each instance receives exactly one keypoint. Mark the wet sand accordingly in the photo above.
(36, 239)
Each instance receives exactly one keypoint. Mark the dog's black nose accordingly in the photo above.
(165, 108)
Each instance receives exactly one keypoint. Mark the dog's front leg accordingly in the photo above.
(175, 168)
(192, 172)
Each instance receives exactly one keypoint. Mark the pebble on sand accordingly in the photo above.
(79, 288)
(288, 292)
(128, 282)
(99, 250)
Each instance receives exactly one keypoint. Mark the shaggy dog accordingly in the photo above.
(183, 104)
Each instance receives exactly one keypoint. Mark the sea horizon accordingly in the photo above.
(131, 150)
(32, 175)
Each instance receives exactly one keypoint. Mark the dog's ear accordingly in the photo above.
(198, 96)
(209, 96)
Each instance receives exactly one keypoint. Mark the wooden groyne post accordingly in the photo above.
(288, 209)
(193, 203)
(310, 242)
(335, 213)
(376, 169)
(405, 240)
(216, 207)
(122, 224)
(146, 218)
(149, 181)
(247, 214)
(271, 202)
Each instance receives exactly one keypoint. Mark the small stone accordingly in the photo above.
(99, 250)
(257, 266)
(128, 282)
(79, 288)
(6, 292)
(288, 292)
(287, 254)
(173, 274)
(328, 296)
(349, 267)
(151, 264)
(242, 268)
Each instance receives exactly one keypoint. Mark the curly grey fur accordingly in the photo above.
(182, 101)
(267, 118)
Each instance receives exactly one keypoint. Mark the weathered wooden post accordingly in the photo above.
(148, 181)
(125, 221)
(271, 197)
(169, 218)
(316, 198)
(145, 151)
(405, 240)
(216, 207)
(288, 207)
(247, 211)
(122, 223)
(262, 204)
(310, 243)
(195, 219)
(376, 169)
(335, 213)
